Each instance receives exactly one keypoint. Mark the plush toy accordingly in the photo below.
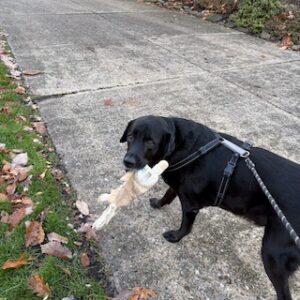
(134, 184)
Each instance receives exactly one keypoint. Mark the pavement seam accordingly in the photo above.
(230, 81)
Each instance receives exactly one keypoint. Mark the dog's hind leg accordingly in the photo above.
(279, 258)
(168, 197)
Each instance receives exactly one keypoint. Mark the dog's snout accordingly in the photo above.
(129, 161)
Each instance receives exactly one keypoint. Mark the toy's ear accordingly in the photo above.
(124, 136)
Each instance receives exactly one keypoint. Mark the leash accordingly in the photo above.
(273, 203)
(239, 152)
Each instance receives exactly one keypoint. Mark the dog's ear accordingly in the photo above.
(124, 136)
(169, 138)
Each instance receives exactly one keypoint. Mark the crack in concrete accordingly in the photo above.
(41, 98)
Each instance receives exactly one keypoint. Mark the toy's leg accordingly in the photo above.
(168, 197)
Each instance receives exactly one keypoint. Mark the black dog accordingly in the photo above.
(151, 139)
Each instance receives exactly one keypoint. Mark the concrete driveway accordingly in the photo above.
(148, 60)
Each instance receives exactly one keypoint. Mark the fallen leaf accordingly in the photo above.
(39, 127)
(85, 260)
(35, 234)
(4, 217)
(82, 207)
(58, 174)
(6, 168)
(143, 294)
(20, 160)
(14, 264)
(32, 72)
(54, 237)
(124, 295)
(286, 42)
(90, 233)
(20, 90)
(42, 176)
(108, 102)
(39, 287)
(16, 217)
(22, 118)
(22, 174)
(11, 188)
(3, 197)
(56, 249)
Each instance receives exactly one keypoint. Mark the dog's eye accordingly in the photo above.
(130, 138)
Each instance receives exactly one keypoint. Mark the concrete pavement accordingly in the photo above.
(150, 60)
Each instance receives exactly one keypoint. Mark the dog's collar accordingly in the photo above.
(207, 148)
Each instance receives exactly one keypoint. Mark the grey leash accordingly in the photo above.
(272, 201)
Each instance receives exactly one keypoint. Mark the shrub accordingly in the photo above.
(254, 14)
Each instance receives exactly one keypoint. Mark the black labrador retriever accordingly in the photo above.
(152, 138)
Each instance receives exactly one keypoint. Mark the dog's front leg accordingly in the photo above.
(168, 197)
(188, 218)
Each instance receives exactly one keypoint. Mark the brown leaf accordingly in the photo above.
(124, 295)
(108, 102)
(35, 234)
(39, 127)
(58, 174)
(39, 287)
(20, 160)
(143, 294)
(11, 188)
(54, 237)
(17, 216)
(14, 264)
(82, 207)
(32, 72)
(3, 197)
(56, 249)
(42, 176)
(68, 272)
(4, 217)
(6, 168)
(22, 174)
(20, 90)
(286, 42)
(85, 260)
(90, 233)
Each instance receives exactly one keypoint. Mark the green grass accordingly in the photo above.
(14, 283)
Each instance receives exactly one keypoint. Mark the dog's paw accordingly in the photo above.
(155, 203)
(172, 236)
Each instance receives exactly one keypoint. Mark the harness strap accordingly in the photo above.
(200, 152)
(228, 171)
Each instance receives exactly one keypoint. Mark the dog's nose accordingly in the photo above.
(129, 162)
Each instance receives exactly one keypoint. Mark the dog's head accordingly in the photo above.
(149, 139)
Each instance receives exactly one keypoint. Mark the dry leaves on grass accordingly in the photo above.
(39, 287)
(14, 264)
(85, 260)
(3, 197)
(20, 90)
(82, 207)
(58, 174)
(286, 42)
(39, 127)
(54, 237)
(56, 249)
(35, 234)
(87, 229)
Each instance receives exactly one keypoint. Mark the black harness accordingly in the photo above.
(238, 152)
(229, 169)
